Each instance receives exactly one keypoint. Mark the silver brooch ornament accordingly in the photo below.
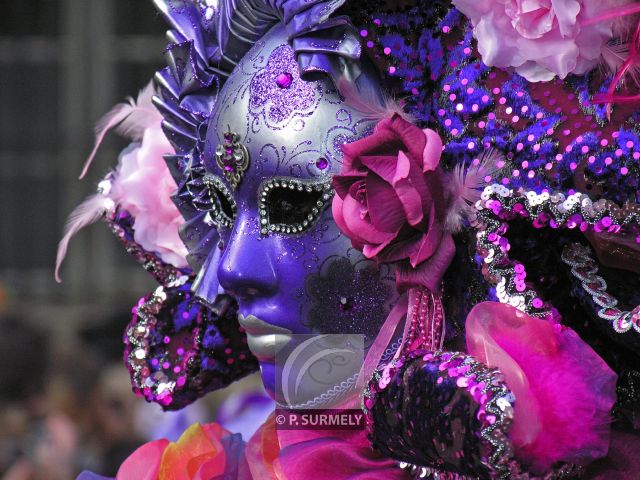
(232, 158)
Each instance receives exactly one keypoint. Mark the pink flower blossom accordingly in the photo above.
(539, 38)
(391, 201)
(143, 186)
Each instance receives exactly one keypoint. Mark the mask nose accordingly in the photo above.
(246, 267)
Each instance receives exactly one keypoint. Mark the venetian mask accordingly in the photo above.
(273, 143)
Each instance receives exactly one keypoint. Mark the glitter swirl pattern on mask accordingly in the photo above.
(278, 106)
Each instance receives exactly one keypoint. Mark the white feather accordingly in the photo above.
(88, 212)
(130, 119)
(465, 187)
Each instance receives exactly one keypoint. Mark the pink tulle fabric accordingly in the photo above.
(564, 391)
(142, 186)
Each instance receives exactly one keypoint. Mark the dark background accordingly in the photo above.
(63, 64)
(65, 398)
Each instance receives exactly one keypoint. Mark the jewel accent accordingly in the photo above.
(322, 163)
(324, 190)
(232, 158)
(284, 80)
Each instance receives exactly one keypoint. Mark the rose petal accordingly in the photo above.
(432, 150)
(385, 210)
(411, 136)
(430, 272)
(383, 166)
(370, 145)
(336, 208)
(566, 13)
(406, 187)
(361, 229)
(342, 183)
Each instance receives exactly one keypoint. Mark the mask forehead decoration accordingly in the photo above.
(291, 127)
(202, 53)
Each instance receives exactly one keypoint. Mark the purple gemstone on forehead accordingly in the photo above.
(229, 168)
(284, 80)
(322, 163)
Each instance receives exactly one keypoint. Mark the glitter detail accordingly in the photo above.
(277, 104)
(347, 299)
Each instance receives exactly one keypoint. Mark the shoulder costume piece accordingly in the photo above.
(482, 158)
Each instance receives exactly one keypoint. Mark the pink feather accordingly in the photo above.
(88, 212)
(370, 104)
(465, 186)
(614, 55)
(130, 119)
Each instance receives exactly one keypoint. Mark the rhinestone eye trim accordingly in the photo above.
(217, 191)
(585, 269)
(207, 191)
(324, 190)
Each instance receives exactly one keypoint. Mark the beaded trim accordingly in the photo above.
(585, 269)
(323, 188)
(137, 337)
(205, 191)
(498, 205)
(217, 188)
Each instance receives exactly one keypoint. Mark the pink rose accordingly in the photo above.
(538, 38)
(143, 186)
(390, 200)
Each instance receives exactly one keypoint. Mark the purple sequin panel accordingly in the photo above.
(176, 350)
(431, 409)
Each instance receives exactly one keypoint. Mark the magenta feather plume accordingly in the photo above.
(88, 212)
(465, 187)
(130, 119)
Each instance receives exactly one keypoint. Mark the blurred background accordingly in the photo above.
(65, 397)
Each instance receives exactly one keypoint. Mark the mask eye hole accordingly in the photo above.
(219, 202)
(291, 205)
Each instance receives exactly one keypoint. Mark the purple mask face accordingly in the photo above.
(272, 146)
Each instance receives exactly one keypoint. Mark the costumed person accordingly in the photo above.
(454, 183)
